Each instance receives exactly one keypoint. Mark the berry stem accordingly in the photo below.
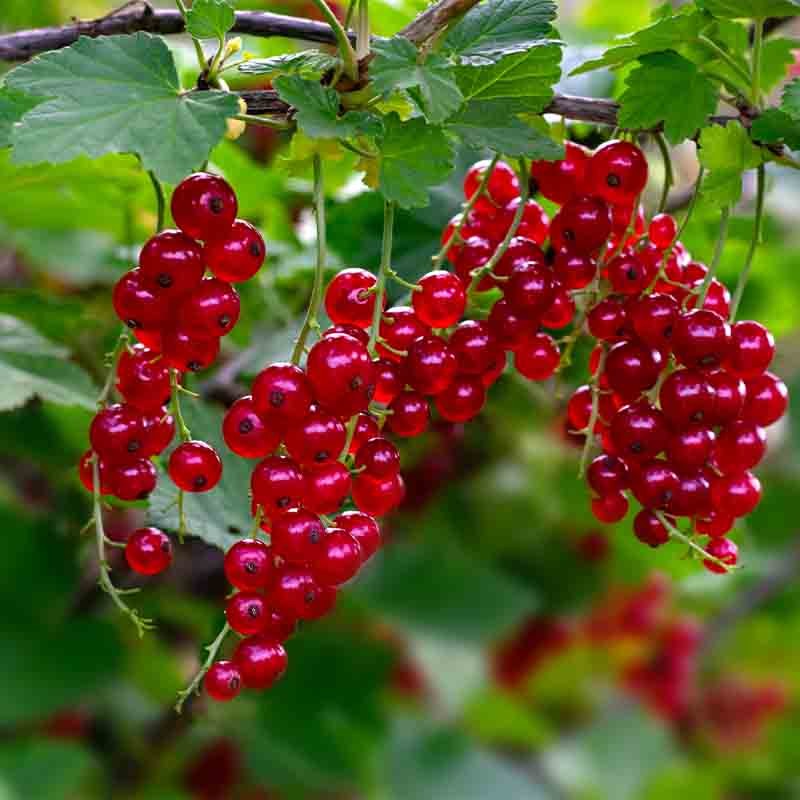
(161, 204)
(111, 360)
(412, 287)
(456, 234)
(674, 533)
(593, 415)
(183, 429)
(264, 122)
(342, 40)
(212, 650)
(316, 290)
(524, 192)
(715, 259)
(668, 172)
(257, 519)
(754, 241)
(349, 433)
(384, 269)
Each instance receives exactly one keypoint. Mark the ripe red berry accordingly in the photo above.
(357, 333)
(296, 594)
(739, 446)
(277, 485)
(117, 433)
(366, 428)
(654, 484)
(474, 253)
(399, 326)
(579, 408)
(607, 474)
(653, 317)
(692, 497)
(562, 179)
(341, 374)
(662, 230)
(639, 431)
(508, 327)
(86, 473)
(363, 528)
(632, 367)
(494, 370)
(204, 206)
(519, 251)
(378, 458)
(195, 467)
(133, 480)
(430, 365)
(689, 448)
(247, 612)
(574, 270)
(534, 225)
(245, 433)
(316, 439)
(474, 346)
(173, 262)
(649, 530)
(537, 357)
(561, 310)
(378, 497)
(685, 397)
(139, 304)
(729, 397)
(582, 225)
(211, 309)
(327, 487)
(159, 429)
(767, 399)
(723, 550)
(388, 381)
(261, 661)
(237, 254)
(148, 551)
(143, 378)
(608, 320)
(296, 535)
(282, 390)
(339, 558)
(501, 188)
(629, 275)
(530, 289)
(248, 565)
(441, 299)
(715, 523)
(610, 508)
(617, 172)
(737, 494)
(409, 415)
(349, 299)
(462, 400)
(187, 351)
(701, 339)
(223, 681)
(751, 350)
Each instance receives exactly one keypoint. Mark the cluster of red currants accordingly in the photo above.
(178, 315)
(679, 397)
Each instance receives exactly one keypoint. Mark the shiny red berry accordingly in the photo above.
(159, 430)
(629, 275)
(639, 431)
(399, 327)
(409, 415)
(139, 304)
(388, 381)
(296, 535)
(715, 523)
(534, 225)
(212, 309)
(617, 172)
(501, 188)
(430, 365)
(350, 299)
(767, 399)
(173, 262)
(363, 528)
(574, 270)
(739, 446)
(195, 467)
(654, 484)
(378, 497)
(143, 378)
(297, 594)
(737, 494)
(701, 339)
(277, 484)
(117, 433)
(508, 327)
(608, 320)
(632, 367)
(689, 448)
(249, 565)
(652, 317)
(751, 350)
(282, 390)
(338, 559)
(188, 351)
(692, 497)
(662, 230)
(378, 458)
(519, 251)
(223, 681)
(474, 253)
(148, 551)
(86, 473)
(729, 397)
(237, 254)
(610, 508)
(649, 530)
(686, 397)
(261, 661)
(607, 474)
(366, 428)
(562, 179)
(204, 206)
(462, 400)
(537, 357)
(327, 487)
(133, 480)
(245, 433)
(341, 374)
(582, 225)
(317, 438)
(561, 311)
(474, 346)
(247, 612)
(530, 289)
(723, 550)
(441, 299)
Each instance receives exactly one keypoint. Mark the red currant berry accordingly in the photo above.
(751, 351)
(608, 320)
(282, 390)
(363, 528)
(715, 523)
(339, 558)
(247, 613)
(245, 433)
(366, 428)
(652, 317)
(607, 474)
(195, 467)
(133, 480)
(501, 188)
(685, 397)
(629, 275)
(173, 262)
(261, 661)
(662, 230)
(448, 235)
(737, 494)
(474, 347)
(150, 338)
(561, 310)
(693, 495)
(350, 297)
(86, 474)
(148, 551)
(530, 289)
(494, 370)
(388, 381)
(462, 400)
(654, 484)
(399, 327)
(223, 681)
(701, 339)
(639, 431)
(277, 485)
(508, 328)
(409, 415)
(729, 397)
(520, 251)
(441, 299)
(723, 550)
(204, 206)
(560, 180)
(296, 535)
(378, 497)
(138, 304)
(248, 565)
(378, 458)
(212, 309)
(582, 225)
(767, 399)
(574, 270)
(187, 351)
(537, 357)
(739, 446)
(617, 172)
(648, 529)
(117, 433)
(143, 378)
(327, 487)
(430, 365)
(718, 299)
(689, 448)
(357, 333)
(341, 374)
(159, 430)
(316, 439)
(474, 253)
(237, 254)
(610, 508)
(579, 408)
(296, 594)
(631, 368)
(534, 225)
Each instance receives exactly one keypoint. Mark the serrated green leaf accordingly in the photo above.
(32, 366)
(218, 517)
(117, 94)
(498, 28)
(652, 89)
(776, 56)
(524, 80)
(210, 19)
(395, 66)
(13, 105)
(317, 109)
(414, 156)
(790, 103)
(667, 33)
(750, 9)
(490, 124)
(774, 125)
(726, 151)
(311, 64)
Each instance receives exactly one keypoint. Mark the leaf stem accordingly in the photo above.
(316, 290)
(342, 40)
(212, 650)
(383, 270)
(754, 241)
(668, 172)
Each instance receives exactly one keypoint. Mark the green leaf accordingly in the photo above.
(667, 33)
(726, 152)
(750, 9)
(317, 110)
(776, 56)
(524, 80)
(414, 156)
(652, 89)
(790, 103)
(210, 19)
(312, 64)
(442, 590)
(117, 94)
(22, 774)
(774, 125)
(395, 66)
(497, 28)
(32, 366)
(493, 125)
(13, 105)
(218, 517)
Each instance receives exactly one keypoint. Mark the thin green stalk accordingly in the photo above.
(351, 7)
(183, 429)
(319, 272)
(212, 650)
(198, 48)
(721, 54)
(758, 42)
(674, 533)
(264, 122)
(111, 361)
(362, 30)
(383, 271)
(593, 416)
(715, 259)
(161, 203)
(342, 40)
(757, 225)
(668, 173)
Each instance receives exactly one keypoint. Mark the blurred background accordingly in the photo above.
(503, 646)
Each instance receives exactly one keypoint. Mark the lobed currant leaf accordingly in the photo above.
(395, 66)
(750, 9)
(651, 91)
(13, 105)
(774, 125)
(776, 56)
(311, 64)
(118, 94)
(726, 152)
(210, 19)
(790, 102)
